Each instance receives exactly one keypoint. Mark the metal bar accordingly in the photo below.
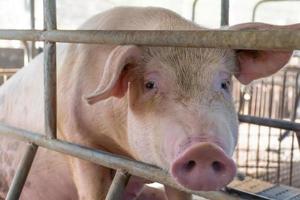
(194, 10)
(50, 70)
(281, 116)
(297, 101)
(22, 173)
(261, 109)
(280, 39)
(118, 185)
(8, 70)
(248, 130)
(274, 123)
(32, 26)
(270, 111)
(106, 159)
(224, 12)
(262, 2)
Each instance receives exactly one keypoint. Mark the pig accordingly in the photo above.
(167, 106)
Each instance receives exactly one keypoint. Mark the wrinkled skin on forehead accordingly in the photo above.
(188, 101)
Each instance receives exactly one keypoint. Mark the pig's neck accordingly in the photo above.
(105, 125)
(115, 121)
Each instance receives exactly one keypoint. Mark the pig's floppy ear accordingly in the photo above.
(254, 64)
(114, 78)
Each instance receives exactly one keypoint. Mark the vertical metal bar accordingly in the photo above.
(294, 115)
(260, 114)
(271, 93)
(256, 109)
(194, 10)
(298, 95)
(248, 132)
(118, 185)
(281, 115)
(50, 70)
(238, 95)
(225, 13)
(32, 26)
(22, 173)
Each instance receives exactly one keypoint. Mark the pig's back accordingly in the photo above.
(139, 18)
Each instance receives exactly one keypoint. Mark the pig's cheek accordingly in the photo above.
(229, 124)
(139, 139)
(173, 133)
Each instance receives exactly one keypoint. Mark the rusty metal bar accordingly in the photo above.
(280, 39)
(265, 1)
(50, 70)
(118, 185)
(106, 159)
(224, 12)
(22, 173)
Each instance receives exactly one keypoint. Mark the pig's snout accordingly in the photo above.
(203, 166)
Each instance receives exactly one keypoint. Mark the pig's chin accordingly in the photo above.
(202, 165)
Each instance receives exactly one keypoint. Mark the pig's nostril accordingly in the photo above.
(189, 165)
(217, 166)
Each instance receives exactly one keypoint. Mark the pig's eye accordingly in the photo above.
(149, 85)
(225, 85)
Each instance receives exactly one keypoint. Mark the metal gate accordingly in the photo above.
(126, 167)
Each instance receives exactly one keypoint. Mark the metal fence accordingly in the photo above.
(280, 39)
(271, 154)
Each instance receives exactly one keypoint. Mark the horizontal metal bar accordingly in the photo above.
(6, 72)
(118, 185)
(106, 159)
(282, 39)
(22, 173)
(275, 123)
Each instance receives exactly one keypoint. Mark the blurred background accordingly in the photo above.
(264, 153)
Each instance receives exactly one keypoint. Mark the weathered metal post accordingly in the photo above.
(224, 12)
(50, 70)
(22, 173)
(32, 26)
(194, 10)
(118, 185)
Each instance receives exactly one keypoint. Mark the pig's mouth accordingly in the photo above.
(202, 166)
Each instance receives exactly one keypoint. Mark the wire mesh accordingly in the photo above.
(267, 153)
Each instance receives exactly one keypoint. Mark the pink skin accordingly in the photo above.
(183, 139)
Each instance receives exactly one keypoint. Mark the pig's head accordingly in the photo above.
(181, 115)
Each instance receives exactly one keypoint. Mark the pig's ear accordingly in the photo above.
(114, 81)
(254, 64)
